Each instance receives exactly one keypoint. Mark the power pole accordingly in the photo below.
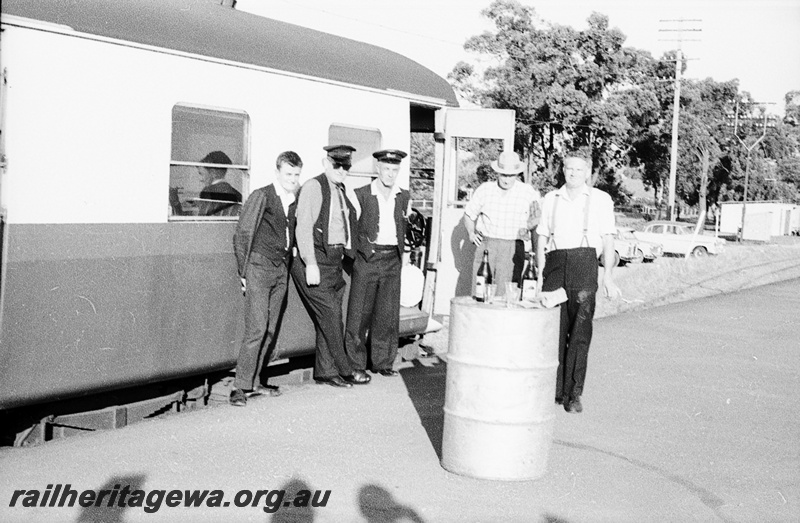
(673, 155)
(673, 151)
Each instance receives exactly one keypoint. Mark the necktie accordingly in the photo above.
(344, 215)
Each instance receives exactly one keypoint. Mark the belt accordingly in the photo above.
(384, 247)
(336, 245)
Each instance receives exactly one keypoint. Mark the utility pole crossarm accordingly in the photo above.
(767, 123)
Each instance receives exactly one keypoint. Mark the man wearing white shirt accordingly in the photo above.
(498, 217)
(374, 305)
(576, 226)
(263, 244)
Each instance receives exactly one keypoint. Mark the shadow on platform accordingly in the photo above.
(425, 383)
(107, 509)
(377, 505)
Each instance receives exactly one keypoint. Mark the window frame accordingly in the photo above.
(243, 168)
(372, 174)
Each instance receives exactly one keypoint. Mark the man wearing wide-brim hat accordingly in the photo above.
(498, 218)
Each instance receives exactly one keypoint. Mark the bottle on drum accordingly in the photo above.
(483, 278)
(529, 279)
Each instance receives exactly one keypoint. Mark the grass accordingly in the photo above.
(669, 280)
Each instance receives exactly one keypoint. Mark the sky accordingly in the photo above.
(756, 41)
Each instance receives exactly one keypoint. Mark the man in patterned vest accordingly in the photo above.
(325, 228)
(374, 306)
(263, 244)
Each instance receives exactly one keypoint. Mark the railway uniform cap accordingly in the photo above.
(217, 157)
(341, 153)
(389, 155)
(508, 163)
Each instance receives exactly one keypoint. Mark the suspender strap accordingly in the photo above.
(586, 219)
(551, 244)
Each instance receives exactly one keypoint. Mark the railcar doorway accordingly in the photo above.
(450, 253)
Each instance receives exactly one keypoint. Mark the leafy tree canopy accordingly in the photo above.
(577, 88)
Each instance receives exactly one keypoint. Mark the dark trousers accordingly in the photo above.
(576, 271)
(573, 344)
(324, 302)
(506, 258)
(374, 310)
(266, 290)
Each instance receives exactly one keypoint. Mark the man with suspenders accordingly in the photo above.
(577, 224)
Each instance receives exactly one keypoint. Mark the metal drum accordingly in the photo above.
(501, 378)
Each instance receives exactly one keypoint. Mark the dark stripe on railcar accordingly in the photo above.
(93, 307)
(96, 307)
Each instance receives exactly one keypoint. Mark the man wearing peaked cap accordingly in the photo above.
(498, 218)
(374, 305)
(326, 223)
(389, 156)
(340, 152)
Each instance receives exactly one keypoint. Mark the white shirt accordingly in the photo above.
(501, 213)
(567, 218)
(287, 198)
(387, 232)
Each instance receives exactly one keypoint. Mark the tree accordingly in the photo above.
(569, 88)
(702, 136)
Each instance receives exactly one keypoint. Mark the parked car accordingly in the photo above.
(679, 239)
(632, 249)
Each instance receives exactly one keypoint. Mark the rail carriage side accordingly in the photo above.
(105, 284)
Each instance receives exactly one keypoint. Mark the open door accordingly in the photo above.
(449, 267)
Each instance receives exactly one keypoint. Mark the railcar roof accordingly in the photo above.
(205, 28)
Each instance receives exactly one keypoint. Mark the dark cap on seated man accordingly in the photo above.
(217, 157)
(389, 156)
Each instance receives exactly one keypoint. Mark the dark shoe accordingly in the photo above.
(266, 390)
(559, 401)
(335, 381)
(359, 377)
(389, 373)
(574, 405)
(238, 398)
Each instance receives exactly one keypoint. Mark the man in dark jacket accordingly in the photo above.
(216, 193)
(263, 245)
(374, 305)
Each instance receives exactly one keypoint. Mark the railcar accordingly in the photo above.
(111, 277)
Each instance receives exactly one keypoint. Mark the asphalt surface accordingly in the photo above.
(691, 413)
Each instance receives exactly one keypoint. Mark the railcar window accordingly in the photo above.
(366, 142)
(210, 163)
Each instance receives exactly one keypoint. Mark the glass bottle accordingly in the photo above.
(529, 279)
(483, 278)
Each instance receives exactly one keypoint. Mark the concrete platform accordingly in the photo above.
(692, 413)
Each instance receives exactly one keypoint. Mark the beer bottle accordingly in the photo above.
(529, 279)
(483, 278)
